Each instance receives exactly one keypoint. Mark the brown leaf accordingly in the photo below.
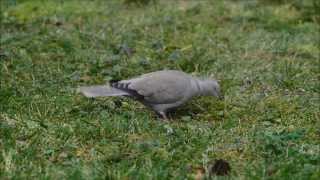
(85, 78)
(200, 172)
(220, 167)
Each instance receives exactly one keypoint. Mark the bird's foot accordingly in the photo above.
(163, 116)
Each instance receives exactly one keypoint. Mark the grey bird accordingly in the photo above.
(160, 90)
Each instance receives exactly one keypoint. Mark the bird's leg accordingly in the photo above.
(163, 115)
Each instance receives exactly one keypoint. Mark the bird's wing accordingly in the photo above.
(160, 87)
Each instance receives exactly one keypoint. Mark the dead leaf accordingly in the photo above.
(220, 167)
(200, 172)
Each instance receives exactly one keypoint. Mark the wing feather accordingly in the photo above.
(161, 88)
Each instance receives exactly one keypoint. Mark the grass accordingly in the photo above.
(265, 53)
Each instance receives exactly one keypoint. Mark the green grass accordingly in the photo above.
(265, 53)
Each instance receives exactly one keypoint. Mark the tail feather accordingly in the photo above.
(101, 91)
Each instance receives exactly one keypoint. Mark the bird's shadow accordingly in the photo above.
(204, 110)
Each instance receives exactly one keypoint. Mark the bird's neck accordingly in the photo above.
(201, 88)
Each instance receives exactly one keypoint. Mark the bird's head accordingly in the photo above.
(212, 88)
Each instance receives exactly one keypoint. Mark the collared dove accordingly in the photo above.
(159, 90)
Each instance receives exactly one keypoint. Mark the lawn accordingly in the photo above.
(264, 53)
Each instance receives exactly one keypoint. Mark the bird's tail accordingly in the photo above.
(100, 91)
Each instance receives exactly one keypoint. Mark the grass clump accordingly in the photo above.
(139, 2)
